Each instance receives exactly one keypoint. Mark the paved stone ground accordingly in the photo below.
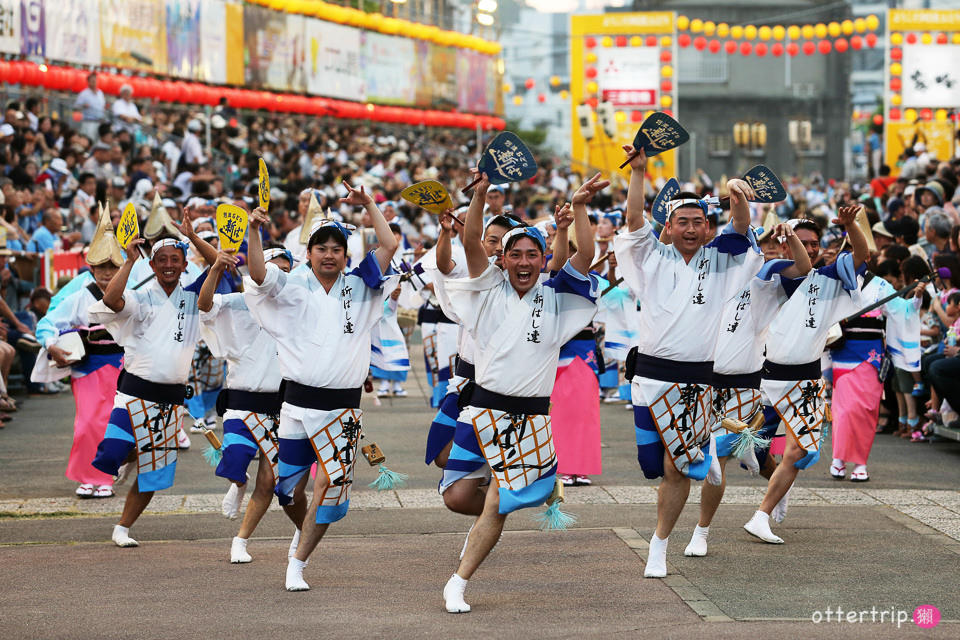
(891, 544)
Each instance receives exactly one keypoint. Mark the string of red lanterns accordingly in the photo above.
(777, 49)
(56, 78)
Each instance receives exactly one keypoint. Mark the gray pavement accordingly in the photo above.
(890, 544)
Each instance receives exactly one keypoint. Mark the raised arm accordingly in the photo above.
(583, 258)
(740, 194)
(636, 196)
(255, 263)
(385, 238)
(477, 261)
(847, 217)
(444, 253)
(113, 296)
(223, 262)
(204, 248)
(563, 216)
(801, 261)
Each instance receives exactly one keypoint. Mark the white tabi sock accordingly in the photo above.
(121, 537)
(230, 507)
(295, 581)
(698, 543)
(780, 511)
(759, 526)
(656, 558)
(238, 551)
(715, 474)
(453, 595)
(294, 543)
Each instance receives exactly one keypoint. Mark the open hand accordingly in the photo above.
(356, 197)
(846, 215)
(589, 189)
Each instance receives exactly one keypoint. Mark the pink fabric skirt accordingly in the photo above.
(575, 420)
(93, 395)
(856, 407)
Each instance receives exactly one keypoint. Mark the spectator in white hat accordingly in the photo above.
(125, 111)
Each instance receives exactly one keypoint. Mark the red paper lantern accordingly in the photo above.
(942, 38)
(31, 73)
(77, 116)
(841, 45)
(911, 38)
(856, 42)
(895, 84)
(4, 71)
(666, 86)
(896, 54)
(824, 47)
(700, 43)
(591, 73)
(894, 114)
(651, 41)
(809, 48)
(871, 40)
(541, 98)
(621, 41)
(666, 56)
(592, 102)
(714, 46)
(590, 42)
(668, 112)
(529, 83)
(684, 40)
(15, 73)
(746, 48)
(877, 119)
(926, 114)
(730, 47)
(761, 49)
(776, 49)
(636, 116)
(793, 49)
(79, 82)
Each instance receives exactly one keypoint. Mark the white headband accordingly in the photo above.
(703, 203)
(342, 227)
(168, 242)
(276, 252)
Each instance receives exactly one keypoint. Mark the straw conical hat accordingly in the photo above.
(769, 222)
(315, 211)
(104, 246)
(159, 221)
(867, 231)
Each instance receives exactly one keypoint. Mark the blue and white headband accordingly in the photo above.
(277, 252)
(615, 216)
(500, 219)
(703, 203)
(168, 242)
(342, 227)
(531, 232)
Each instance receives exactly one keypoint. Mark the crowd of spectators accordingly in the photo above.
(55, 172)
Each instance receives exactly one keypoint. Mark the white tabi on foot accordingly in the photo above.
(698, 543)
(780, 511)
(759, 526)
(453, 595)
(238, 551)
(656, 558)
(230, 507)
(121, 537)
(295, 581)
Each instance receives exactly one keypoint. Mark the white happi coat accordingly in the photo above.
(232, 334)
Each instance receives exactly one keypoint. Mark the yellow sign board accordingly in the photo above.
(231, 226)
(264, 186)
(937, 136)
(129, 226)
(923, 20)
(591, 34)
(429, 194)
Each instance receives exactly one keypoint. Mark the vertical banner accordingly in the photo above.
(423, 95)
(333, 61)
(922, 82)
(263, 31)
(9, 26)
(472, 84)
(284, 63)
(235, 43)
(214, 31)
(443, 75)
(389, 66)
(133, 33)
(626, 59)
(32, 34)
(183, 38)
(73, 30)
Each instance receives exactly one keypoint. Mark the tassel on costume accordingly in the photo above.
(553, 519)
(213, 451)
(748, 440)
(388, 480)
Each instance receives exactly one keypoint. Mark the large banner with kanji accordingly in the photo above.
(627, 60)
(922, 82)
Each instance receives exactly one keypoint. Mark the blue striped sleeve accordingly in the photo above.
(843, 271)
(369, 271)
(569, 280)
